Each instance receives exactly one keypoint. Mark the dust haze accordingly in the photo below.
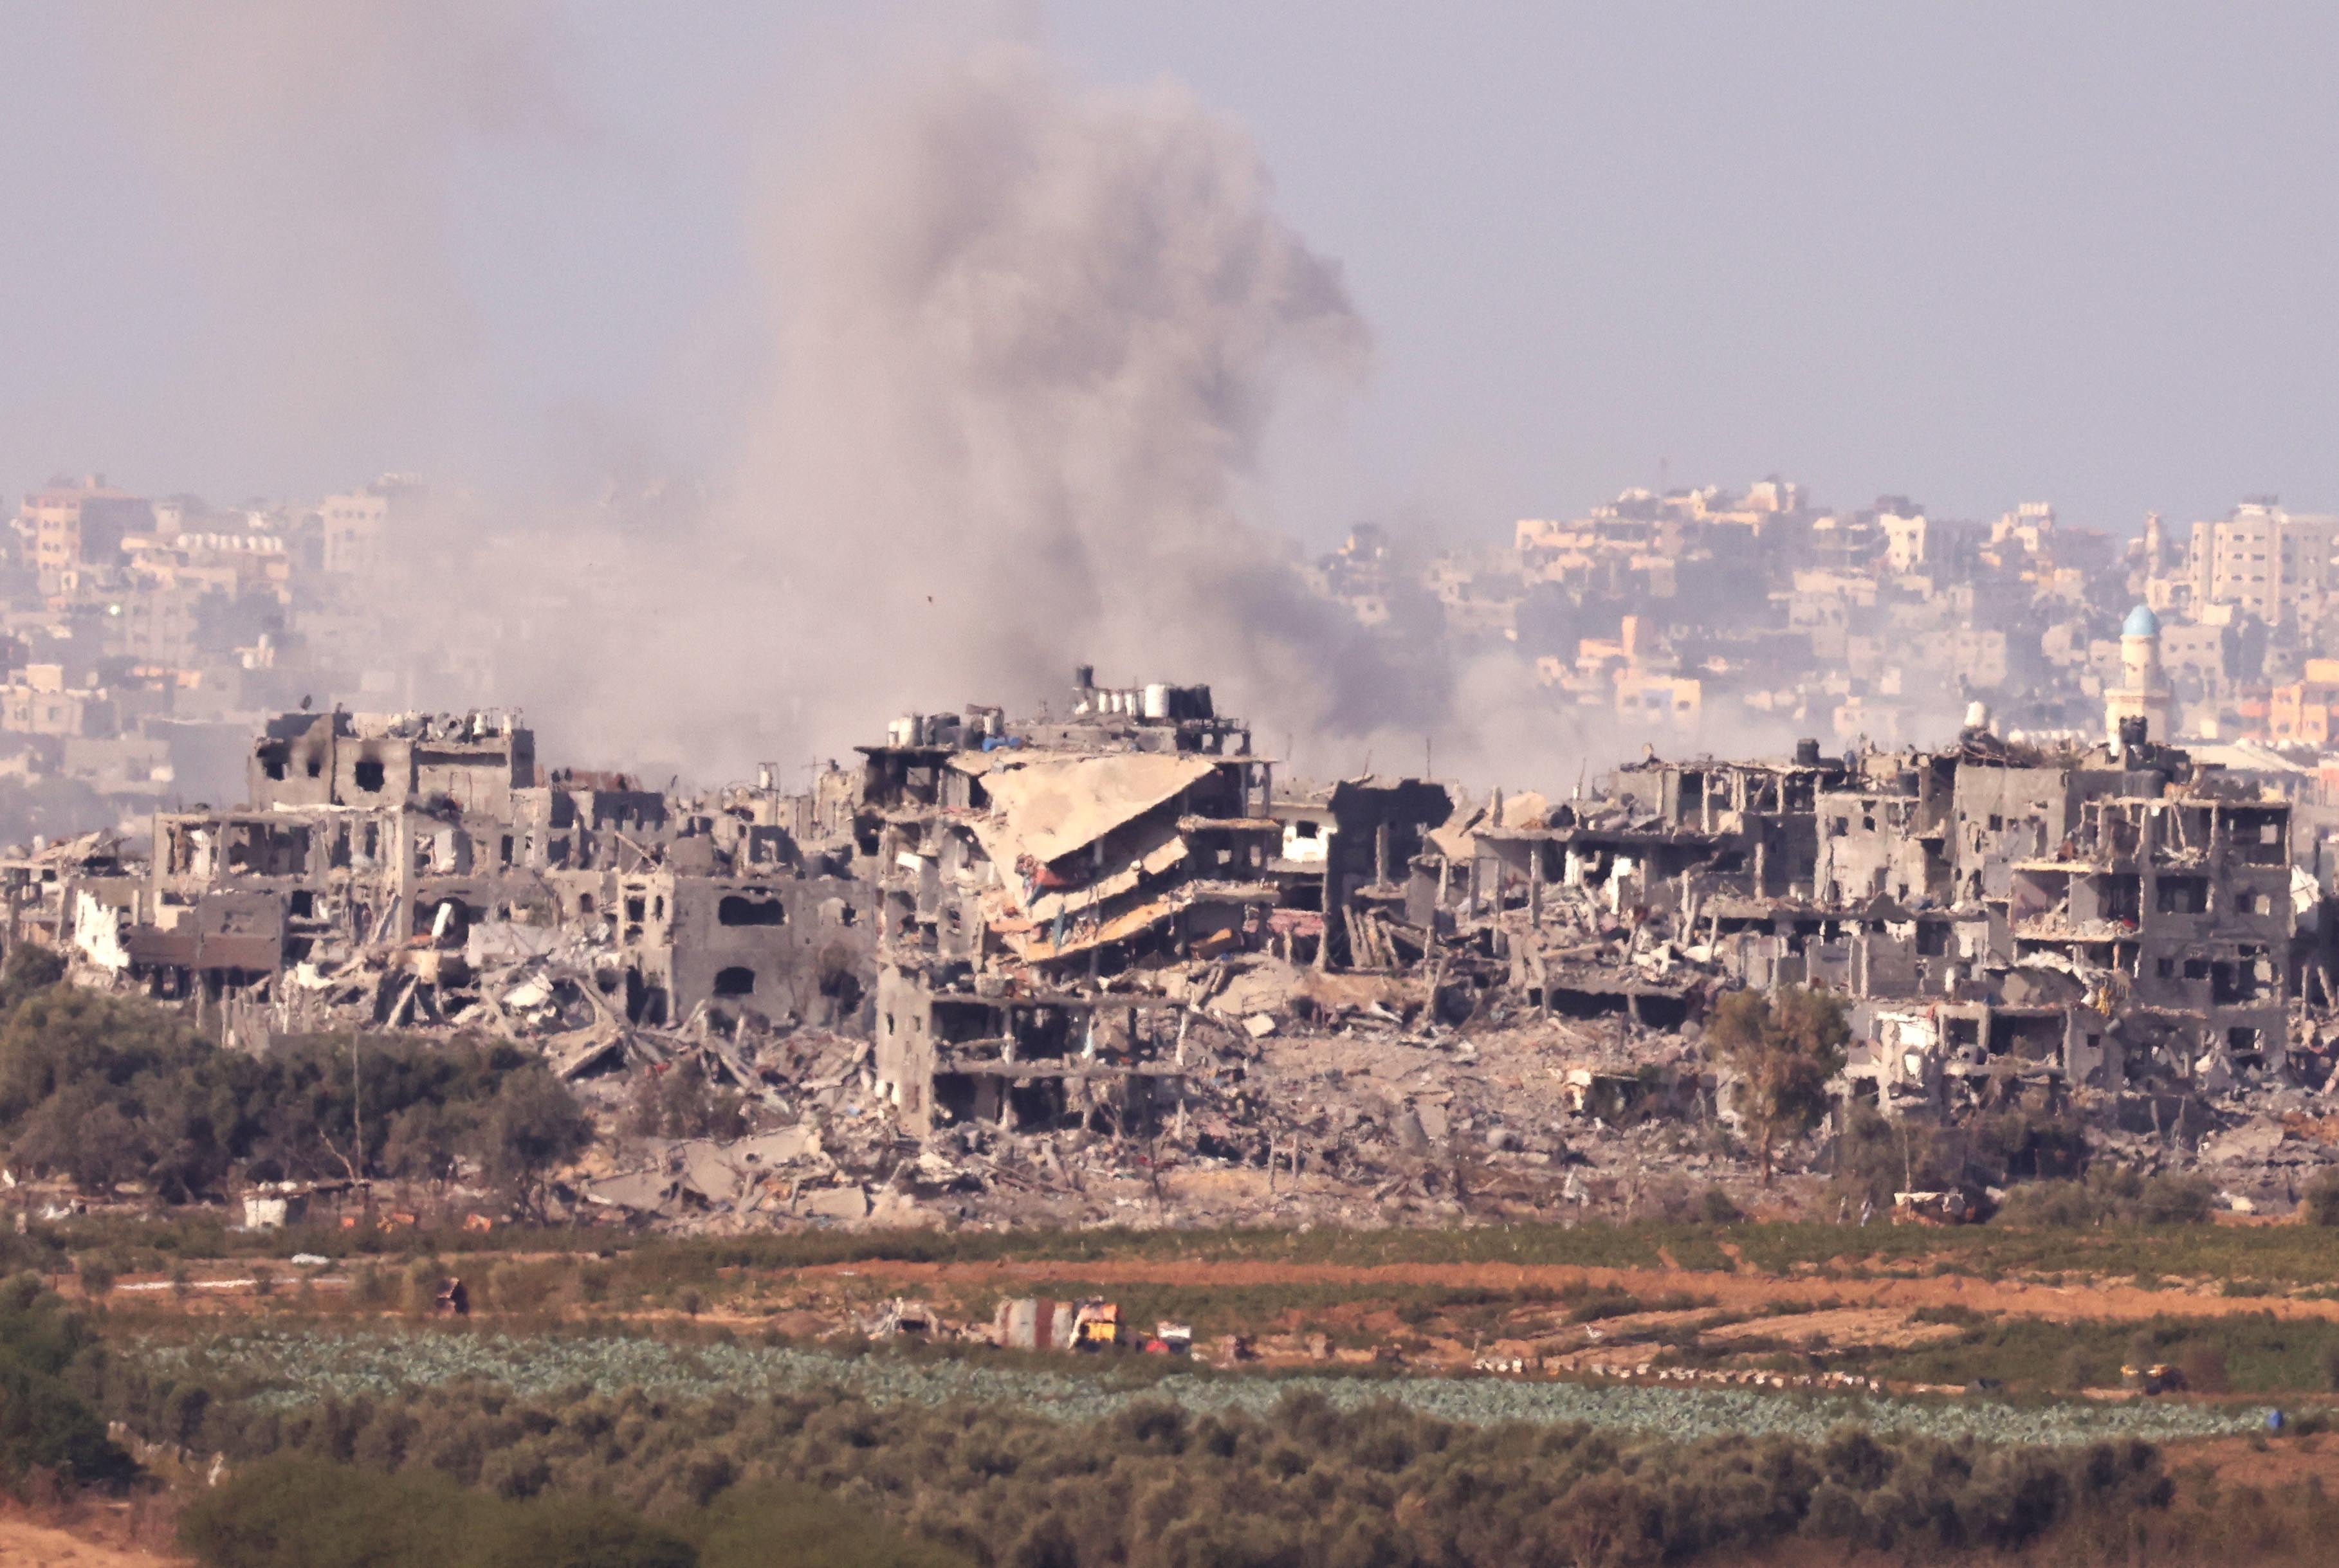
(1025, 339)
(309, 152)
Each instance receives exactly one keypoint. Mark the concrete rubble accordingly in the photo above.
(1109, 967)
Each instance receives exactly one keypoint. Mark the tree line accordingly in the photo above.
(1154, 1486)
(107, 1089)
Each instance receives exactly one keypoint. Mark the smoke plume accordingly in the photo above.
(1029, 338)
(1025, 341)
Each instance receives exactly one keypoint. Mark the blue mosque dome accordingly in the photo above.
(2141, 623)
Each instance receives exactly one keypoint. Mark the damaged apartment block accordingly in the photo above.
(2118, 921)
(1016, 862)
(418, 870)
(996, 940)
(1050, 889)
(1707, 847)
(2113, 923)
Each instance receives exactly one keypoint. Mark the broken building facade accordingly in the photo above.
(412, 870)
(2117, 922)
(1085, 924)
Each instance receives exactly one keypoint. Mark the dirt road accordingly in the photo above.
(24, 1544)
(1737, 1292)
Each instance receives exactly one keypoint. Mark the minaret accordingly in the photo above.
(2142, 693)
(2156, 546)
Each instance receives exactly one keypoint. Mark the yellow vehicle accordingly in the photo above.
(1096, 1326)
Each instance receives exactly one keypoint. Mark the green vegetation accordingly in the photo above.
(1876, 1157)
(2256, 1351)
(2301, 1260)
(684, 1102)
(1304, 1483)
(250, 1383)
(2111, 1195)
(106, 1090)
(45, 1425)
(2321, 1198)
(303, 1512)
(1784, 1048)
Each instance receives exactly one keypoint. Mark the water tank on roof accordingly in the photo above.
(1157, 701)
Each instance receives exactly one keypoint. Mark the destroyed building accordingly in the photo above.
(2119, 919)
(1118, 927)
(1047, 883)
(414, 869)
(2113, 919)
(1015, 857)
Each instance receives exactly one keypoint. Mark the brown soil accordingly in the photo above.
(25, 1545)
(1843, 1328)
(2280, 1462)
(1731, 1292)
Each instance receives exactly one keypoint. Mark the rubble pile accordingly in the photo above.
(1103, 967)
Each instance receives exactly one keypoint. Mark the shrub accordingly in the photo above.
(2110, 1195)
(683, 1102)
(43, 1424)
(423, 1277)
(373, 1285)
(1606, 1304)
(301, 1512)
(304, 1513)
(29, 969)
(105, 1090)
(2172, 1200)
(521, 1287)
(580, 1532)
(1877, 1157)
(1782, 1049)
(2320, 1202)
(530, 1126)
(95, 1272)
(1156, 1483)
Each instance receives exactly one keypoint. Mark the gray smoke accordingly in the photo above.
(1031, 337)
(1025, 339)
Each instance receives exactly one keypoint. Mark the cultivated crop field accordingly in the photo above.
(1882, 1386)
(2247, 1310)
(289, 1368)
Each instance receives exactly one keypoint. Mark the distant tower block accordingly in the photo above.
(2142, 691)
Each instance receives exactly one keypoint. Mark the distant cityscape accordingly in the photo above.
(1687, 612)
(147, 638)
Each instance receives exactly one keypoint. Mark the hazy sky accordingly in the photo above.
(1972, 253)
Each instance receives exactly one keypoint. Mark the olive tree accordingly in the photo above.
(1784, 1049)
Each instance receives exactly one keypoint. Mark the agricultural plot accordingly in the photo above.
(290, 1369)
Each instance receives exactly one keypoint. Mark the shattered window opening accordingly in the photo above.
(738, 910)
